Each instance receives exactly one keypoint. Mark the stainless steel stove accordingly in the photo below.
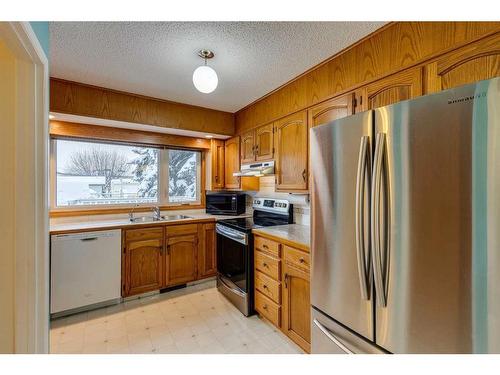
(235, 249)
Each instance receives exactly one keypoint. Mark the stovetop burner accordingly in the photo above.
(267, 212)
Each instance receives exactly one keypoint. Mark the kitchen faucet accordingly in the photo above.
(156, 213)
(131, 213)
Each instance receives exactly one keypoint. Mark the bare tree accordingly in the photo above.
(97, 161)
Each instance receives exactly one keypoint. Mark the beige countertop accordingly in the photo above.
(297, 234)
(102, 222)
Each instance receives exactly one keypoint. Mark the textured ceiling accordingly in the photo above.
(158, 58)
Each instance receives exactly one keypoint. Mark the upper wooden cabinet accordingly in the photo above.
(392, 89)
(248, 147)
(142, 261)
(473, 62)
(232, 162)
(181, 254)
(264, 142)
(331, 110)
(207, 251)
(291, 145)
(257, 144)
(217, 150)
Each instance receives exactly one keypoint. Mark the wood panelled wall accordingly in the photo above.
(91, 101)
(395, 47)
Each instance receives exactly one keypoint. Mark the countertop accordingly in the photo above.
(295, 234)
(102, 222)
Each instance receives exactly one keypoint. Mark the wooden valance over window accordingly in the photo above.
(63, 129)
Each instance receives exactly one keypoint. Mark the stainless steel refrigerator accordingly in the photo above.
(406, 226)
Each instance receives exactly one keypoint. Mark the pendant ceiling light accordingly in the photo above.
(204, 77)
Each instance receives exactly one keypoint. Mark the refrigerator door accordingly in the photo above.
(329, 337)
(340, 164)
(435, 198)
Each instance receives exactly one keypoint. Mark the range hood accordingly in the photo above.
(256, 169)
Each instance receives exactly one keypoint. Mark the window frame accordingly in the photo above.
(162, 202)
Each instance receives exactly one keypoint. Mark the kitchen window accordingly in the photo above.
(91, 174)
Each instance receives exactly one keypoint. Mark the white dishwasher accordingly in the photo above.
(85, 270)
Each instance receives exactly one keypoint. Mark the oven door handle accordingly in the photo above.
(231, 288)
(241, 238)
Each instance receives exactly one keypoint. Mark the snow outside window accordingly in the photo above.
(87, 173)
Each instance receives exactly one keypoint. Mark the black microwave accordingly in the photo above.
(225, 202)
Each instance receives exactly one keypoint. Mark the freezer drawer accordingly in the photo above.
(329, 337)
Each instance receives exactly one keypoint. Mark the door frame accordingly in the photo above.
(31, 249)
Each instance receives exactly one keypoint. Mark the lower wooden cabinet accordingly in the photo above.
(163, 256)
(282, 288)
(296, 307)
(181, 254)
(142, 260)
(207, 251)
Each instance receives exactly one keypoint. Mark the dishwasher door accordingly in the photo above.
(85, 270)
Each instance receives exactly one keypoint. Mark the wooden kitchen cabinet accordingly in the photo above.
(473, 62)
(232, 162)
(217, 149)
(331, 110)
(264, 142)
(142, 261)
(207, 251)
(404, 85)
(247, 147)
(282, 286)
(181, 254)
(291, 147)
(258, 144)
(296, 308)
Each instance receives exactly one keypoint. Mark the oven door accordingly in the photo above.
(232, 256)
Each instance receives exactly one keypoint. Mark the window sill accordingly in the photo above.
(119, 210)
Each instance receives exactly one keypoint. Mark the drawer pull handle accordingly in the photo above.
(301, 260)
(286, 280)
(264, 307)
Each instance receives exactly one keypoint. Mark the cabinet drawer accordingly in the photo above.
(182, 229)
(268, 287)
(268, 265)
(269, 246)
(143, 234)
(297, 258)
(268, 309)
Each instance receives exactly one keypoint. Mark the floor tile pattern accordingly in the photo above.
(196, 319)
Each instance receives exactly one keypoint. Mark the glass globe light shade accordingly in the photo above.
(205, 79)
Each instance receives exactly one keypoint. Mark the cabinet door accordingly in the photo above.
(232, 162)
(473, 62)
(296, 308)
(207, 264)
(291, 152)
(400, 86)
(182, 254)
(217, 149)
(248, 147)
(143, 261)
(264, 146)
(331, 110)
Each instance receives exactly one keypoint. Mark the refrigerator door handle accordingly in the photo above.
(360, 230)
(375, 219)
(332, 337)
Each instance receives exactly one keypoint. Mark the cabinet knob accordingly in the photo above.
(264, 286)
(264, 264)
(286, 280)
(304, 175)
(265, 246)
(301, 260)
(264, 307)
